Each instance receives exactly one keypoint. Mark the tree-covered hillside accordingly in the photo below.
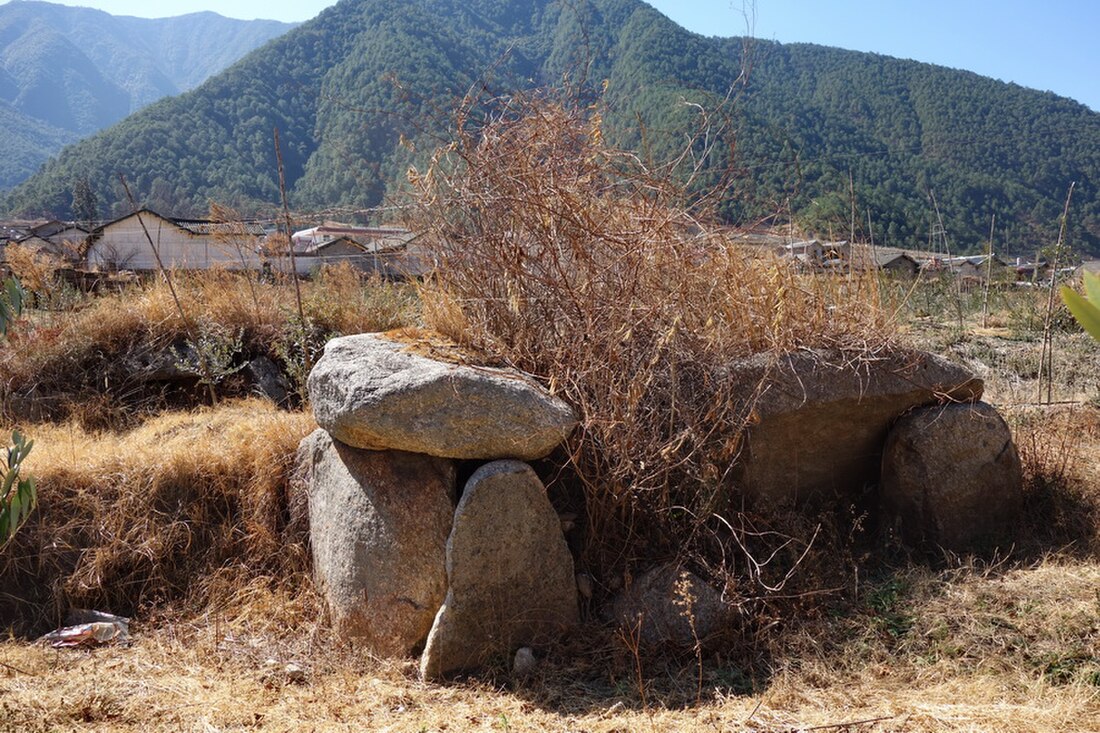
(24, 151)
(363, 90)
(79, 70)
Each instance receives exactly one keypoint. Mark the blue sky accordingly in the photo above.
(1050, 45)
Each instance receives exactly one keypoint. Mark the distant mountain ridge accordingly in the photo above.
(78, 70)
(360, 92)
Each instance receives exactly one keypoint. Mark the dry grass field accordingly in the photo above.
(189, 521)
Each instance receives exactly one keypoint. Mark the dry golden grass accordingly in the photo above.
(987, 674)
(74, 362)
(184, 510)
(1011, 646)
(34, 268)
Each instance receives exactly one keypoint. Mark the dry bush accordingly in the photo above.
(35, 268)
(580, 264)
(189, 509)
(1060, 455)
(344, 300)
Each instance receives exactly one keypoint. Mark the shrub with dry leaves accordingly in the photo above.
(603, 275)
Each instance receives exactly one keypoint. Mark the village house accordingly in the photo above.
(388, 251)
(65, 240)
(1031, 271)
(808, 252)
(1090, 266)
(868, 258)
(186, 244)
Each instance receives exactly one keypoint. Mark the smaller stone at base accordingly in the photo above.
(525, 664)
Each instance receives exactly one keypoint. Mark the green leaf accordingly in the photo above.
(15, 507)
(15, 294)
(1092, 288)
(1086, 313)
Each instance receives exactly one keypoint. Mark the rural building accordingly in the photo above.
(1090, 266)
(60, 239)
(809, 251)
(57, 238)
(1031, 271)
(186, 244)
(13, 230)
(388, 251)
(368, 239)
(975, 268)
(889, 260)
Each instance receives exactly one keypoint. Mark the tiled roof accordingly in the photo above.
(224, 228)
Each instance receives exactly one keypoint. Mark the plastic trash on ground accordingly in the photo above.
(89, 628)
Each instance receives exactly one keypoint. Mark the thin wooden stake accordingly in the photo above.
(308, 358)
(947, 254)
(187, 325)
(1046, 358)
(988, 273)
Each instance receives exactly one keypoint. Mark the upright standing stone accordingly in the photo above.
(378, 525)
(952, 477)
(509, 573)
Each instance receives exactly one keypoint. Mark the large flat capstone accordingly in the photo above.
(371, 392)
(379, 523)
(509, 573)
(820, 419)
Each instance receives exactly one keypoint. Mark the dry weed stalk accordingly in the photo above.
(597, 272)
(234, 235)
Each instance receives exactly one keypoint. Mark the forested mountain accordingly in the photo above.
(73, 71)
(362, 90)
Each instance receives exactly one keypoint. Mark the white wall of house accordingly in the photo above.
(123, 245)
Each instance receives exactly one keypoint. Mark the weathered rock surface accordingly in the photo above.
(951, 476)
(373, 393)
(509, 573)
(267, 379)
(820, 421)
(379, 523)
(669, 608)
(178, 363)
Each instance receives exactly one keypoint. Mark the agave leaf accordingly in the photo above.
(32, 491)
(16, 295)
(1086, 313)
(15, 508)
(1092, 288)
